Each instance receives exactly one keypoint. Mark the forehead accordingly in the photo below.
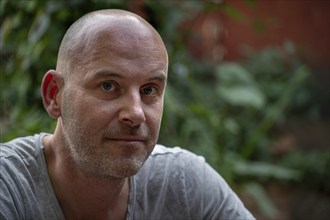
(123, 46)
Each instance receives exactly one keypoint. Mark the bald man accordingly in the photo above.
(102, 162)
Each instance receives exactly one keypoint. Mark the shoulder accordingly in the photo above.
(167, 164)
(172, 165)
(175, 177)
(20, 155)
(176, 155)
(169, 161)
(163, 184)
(22, 147)
(26, 191)
(173, 170)
(18, 161)
(173, 160)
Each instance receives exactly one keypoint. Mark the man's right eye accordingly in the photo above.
(107, 86)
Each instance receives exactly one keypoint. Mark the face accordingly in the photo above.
(112, 102)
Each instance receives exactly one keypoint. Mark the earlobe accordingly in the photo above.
(50, 86)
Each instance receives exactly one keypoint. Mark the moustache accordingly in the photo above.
(122, 130)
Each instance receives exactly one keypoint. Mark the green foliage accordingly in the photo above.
(314, 168)
(262, 200)
(231, 109)
(31, 32)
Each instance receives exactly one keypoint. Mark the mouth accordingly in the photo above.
(126, 139)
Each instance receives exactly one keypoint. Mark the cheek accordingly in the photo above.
(97, 114)
(85, 110)
(154, 117)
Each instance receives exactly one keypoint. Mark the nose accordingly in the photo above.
(132, 112)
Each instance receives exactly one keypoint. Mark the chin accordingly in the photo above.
(119, 169)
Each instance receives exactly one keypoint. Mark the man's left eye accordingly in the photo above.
(150, 90)
(107, 86)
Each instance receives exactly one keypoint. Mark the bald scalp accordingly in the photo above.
(81, 35)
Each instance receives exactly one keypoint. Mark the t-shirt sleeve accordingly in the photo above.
(210, 195)
(23, 189)
(9, 206)
(220, 201)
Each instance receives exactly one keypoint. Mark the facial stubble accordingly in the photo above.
(95, 157)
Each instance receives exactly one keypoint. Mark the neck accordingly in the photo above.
(82, 195)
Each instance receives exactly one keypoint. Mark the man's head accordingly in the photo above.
(107, 92)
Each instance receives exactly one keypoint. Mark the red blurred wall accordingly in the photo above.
(272, 22)
(264, 23)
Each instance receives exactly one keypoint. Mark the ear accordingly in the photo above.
(51, 85)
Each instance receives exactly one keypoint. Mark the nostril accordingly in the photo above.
(132, 109)
(128, 121)
(132, 116)
(132, 121)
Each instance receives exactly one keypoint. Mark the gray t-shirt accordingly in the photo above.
(172, 184)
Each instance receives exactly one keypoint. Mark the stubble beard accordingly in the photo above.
(92, 159)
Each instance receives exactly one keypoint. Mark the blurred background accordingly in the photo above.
(249, 88)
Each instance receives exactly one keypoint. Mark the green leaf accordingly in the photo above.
(265, 171)
(237, 86)
(242, 96)
(233, 73)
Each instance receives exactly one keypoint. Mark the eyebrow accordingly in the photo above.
(104, 74)
(161, 76)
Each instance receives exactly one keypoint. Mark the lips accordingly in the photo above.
(126, 139)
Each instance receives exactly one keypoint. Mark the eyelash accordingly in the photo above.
(108, 82)
(114, 86)
(154, 91)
